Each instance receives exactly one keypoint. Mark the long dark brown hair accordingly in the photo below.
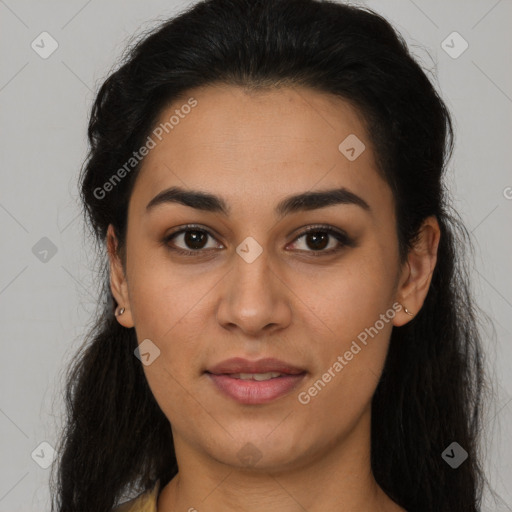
(116, 440)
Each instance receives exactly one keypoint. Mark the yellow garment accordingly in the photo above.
(145, 502)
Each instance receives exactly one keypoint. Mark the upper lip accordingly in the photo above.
(241, 365)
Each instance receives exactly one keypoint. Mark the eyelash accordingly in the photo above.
(340, 236)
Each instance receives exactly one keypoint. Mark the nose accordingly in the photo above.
(254, 298)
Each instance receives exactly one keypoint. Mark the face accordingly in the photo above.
(254, 283)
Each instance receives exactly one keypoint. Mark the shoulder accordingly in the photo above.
(128, 506)
(145, 502)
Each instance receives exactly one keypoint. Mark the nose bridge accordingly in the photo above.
(251, 280)
(252, 267)
(252, 298)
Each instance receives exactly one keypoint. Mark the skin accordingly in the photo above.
(254, 149)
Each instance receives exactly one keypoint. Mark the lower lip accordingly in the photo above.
(253, 391)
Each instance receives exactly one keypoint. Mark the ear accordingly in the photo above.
(118, 283)
(417, 272)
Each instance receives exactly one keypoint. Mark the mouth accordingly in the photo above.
(260, 377)
(255, 382)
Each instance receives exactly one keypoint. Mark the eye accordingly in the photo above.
(194, 237)
(316, 238)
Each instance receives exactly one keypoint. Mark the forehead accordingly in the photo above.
(259, 144)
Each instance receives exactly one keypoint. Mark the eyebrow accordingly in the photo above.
(300, 202)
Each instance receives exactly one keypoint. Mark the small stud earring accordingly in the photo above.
(120, 311)
(406, 310)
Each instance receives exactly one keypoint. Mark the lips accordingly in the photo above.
(241, 365)
(255, 382)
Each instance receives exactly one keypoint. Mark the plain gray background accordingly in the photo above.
(46, 306)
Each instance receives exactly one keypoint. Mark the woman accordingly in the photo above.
(288, 324)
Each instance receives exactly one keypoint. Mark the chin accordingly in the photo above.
(260, 450)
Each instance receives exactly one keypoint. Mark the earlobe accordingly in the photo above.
(118, 283)
(421, 262)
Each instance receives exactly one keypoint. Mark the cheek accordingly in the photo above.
(350, 296)
(168, 306)
(157, 290)
(355, 307)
